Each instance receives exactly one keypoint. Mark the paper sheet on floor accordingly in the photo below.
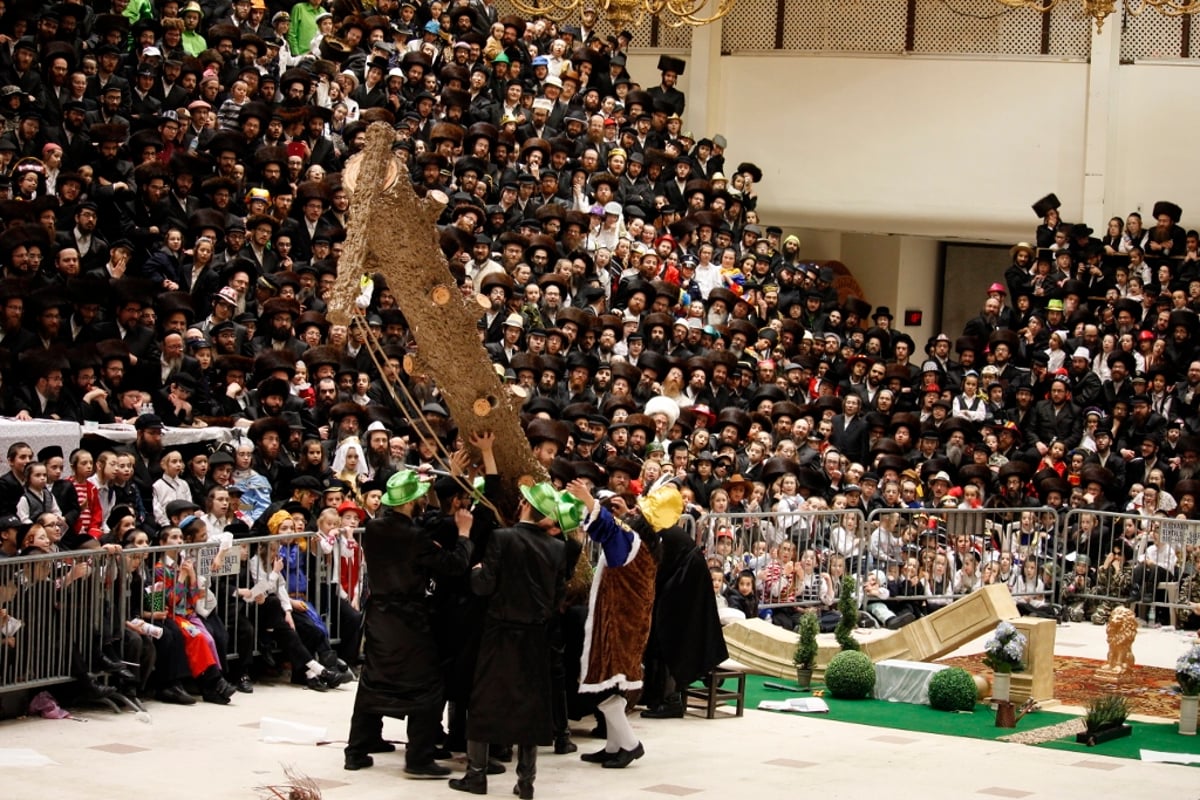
(803, 705)
(1171, 758)
(23, 757)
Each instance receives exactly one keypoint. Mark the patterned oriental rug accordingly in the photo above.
(1150, 690)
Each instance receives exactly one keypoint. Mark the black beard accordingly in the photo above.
(280, 334)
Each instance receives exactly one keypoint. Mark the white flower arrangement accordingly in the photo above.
(1187, 671)
(1005, 652)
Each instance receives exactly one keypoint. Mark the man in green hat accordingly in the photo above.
(569, 514)
(524, 576)
(402, 675)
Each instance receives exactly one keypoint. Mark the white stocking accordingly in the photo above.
(620, 732)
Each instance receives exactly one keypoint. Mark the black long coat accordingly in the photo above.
(524, 575)
(402, 673)
(685, 632)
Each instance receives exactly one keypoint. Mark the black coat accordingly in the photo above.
(402, 673)
(524, 575)
(685, 633)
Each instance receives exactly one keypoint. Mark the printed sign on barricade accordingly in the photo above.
(1134, 560)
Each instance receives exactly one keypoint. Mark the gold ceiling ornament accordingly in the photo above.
(622, 14)
(1100, 10)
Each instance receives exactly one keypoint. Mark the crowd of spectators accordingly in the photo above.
(174, 212)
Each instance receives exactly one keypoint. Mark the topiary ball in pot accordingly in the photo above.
(952, 690)
(850, 675)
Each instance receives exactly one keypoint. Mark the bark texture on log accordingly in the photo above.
(393, 231)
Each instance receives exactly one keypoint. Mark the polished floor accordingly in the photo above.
(215, 752)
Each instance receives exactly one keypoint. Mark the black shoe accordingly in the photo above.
(624, 758)
(316, 685)
(226, 688)
(563, 745)
(244, 685)
(117, 669)
(502, 753)
(442, 754)
(176, 696)
(665, 711)
(94, 691)
(216, 697)
(356, 762)
(474, 782)
(331, 661)
(600, 731)
(382, 746)
(599, 757)
(334, 679)
(494, 767)
(524, 790)
(430, 770)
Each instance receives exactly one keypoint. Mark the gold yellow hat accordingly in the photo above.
(662, 507)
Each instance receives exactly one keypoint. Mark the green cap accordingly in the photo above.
(404, 487)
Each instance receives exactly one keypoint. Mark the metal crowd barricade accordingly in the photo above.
(960, 550)
(55, 616)
(764, 542)
(62, 611)
(1143, 562)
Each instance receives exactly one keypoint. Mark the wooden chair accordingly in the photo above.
(711, 695)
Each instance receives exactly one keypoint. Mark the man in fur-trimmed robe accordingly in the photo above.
(620, 610)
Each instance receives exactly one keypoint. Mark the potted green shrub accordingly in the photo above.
(805, 655)
(850, 675)
(848, 608)
(1105, 720)
(952, 690)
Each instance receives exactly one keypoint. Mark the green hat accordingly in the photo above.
(544, 497)
(404, 487)
(561, 507)
(570, 513)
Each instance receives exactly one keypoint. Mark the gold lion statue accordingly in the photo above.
(1122, 630)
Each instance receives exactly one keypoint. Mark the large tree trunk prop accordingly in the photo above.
(393, 231)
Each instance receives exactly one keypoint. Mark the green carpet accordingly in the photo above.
(980, 724)
(1146, 736)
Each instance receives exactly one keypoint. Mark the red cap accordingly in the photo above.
(997, 287)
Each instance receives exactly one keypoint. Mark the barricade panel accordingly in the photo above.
(1148, 563)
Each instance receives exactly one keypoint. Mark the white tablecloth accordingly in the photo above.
(41, 433)
(905, 681)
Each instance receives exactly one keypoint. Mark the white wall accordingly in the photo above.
(1155, 154)
(948, 148)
